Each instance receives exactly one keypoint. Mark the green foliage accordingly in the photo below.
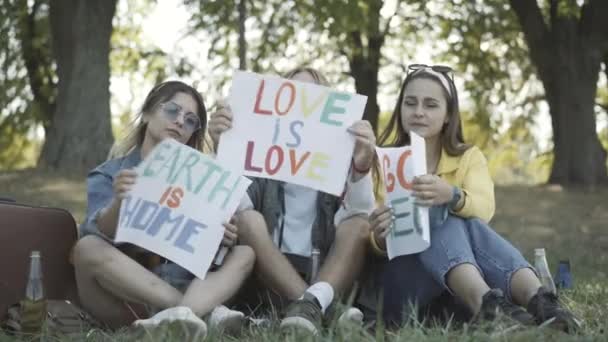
(487, 47)
(20, 152)
(513, 155)
(270, 30)
(133, 57)
(130, 53)
(27, 81)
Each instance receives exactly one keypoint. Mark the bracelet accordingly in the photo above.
(459, 196)
(363, 172)
(456, 195)
(377, 250)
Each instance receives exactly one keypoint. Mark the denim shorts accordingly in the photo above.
(175, 275)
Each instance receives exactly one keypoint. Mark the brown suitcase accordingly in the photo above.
(25, 228)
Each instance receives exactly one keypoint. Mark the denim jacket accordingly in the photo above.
(100, 192)
(99, 196)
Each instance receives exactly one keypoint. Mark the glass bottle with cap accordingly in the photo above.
(542, 267)
(33, 307)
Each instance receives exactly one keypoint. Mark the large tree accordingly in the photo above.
(567, 47)
(515, 55)
(80, 133)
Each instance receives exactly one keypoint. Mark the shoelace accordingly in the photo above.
(305, 308)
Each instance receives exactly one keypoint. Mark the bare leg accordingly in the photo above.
(204, 295)
(346, 257)
(524, 285)
(468, 285)
(106, 278)
(271, 265)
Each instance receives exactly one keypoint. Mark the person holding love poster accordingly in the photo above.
(295, 230)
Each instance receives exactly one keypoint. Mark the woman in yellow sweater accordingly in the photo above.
(466, 257)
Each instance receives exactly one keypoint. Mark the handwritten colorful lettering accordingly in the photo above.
(410, 228)
(290, 131)
(178, 204)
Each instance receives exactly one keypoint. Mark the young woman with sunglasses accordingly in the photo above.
(466, 257)
(118, 282)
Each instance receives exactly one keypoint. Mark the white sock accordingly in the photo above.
(323, 292)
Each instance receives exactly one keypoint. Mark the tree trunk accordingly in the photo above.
(80, 134)
(242, 41)
(568, 56)
(579, 158)
(570, 83)
(38, 63)
(365, 73)
(365, 61)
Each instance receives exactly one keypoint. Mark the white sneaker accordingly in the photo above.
(224, 319)
(197, 328)
(351, 316)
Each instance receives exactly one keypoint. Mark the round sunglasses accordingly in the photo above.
(172, 110)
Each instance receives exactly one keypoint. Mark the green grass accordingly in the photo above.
(570, 224)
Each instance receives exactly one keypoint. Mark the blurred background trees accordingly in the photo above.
(532, 74)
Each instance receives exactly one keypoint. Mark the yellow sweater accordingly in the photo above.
(470, 173)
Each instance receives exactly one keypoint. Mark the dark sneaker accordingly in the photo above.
(496, 308)
(548, 311)
(303, 315)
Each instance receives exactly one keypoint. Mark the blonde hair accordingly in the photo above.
(159, 94)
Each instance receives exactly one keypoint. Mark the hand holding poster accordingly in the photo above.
(178, 204)
(291, 131)
(410, 229)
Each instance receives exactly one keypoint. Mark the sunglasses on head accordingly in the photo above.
(172, 110)
(442, 69)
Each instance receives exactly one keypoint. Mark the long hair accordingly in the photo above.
(159, 94)
(394, 135)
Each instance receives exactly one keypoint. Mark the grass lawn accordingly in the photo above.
(570, 224)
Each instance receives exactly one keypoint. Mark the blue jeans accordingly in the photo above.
(419, 278)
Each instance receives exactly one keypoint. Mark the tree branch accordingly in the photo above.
(242, 10)
(531, 21)
(535, 31)
(533, 99)
(387, 27)
(268, 28)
